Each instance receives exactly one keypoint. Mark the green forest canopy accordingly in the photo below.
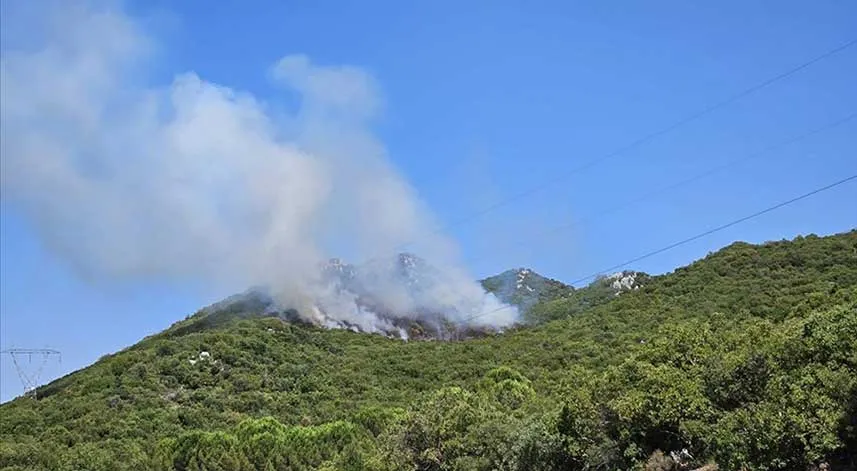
(746, 358)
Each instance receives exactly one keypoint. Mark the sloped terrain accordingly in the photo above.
(746, 358)
(396, 298)
(525, 288)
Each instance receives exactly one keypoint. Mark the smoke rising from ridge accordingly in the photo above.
(198, 181)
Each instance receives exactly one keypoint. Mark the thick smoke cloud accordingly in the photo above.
(198, 181)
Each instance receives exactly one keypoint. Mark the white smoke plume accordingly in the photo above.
(192, 180)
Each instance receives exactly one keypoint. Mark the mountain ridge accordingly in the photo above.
(520, 288)
(684, 362)
(360, 284)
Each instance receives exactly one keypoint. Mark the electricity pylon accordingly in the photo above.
(29, 375)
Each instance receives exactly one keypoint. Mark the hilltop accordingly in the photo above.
(745, 358)
(404, 297)
(521, 288)
(524, 288)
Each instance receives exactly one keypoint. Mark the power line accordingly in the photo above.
(651, 136)
(699, 176)
(718, 228)
(644, 139)
(695, 237)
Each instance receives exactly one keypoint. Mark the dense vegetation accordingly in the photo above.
(746, 359)
(525, 288)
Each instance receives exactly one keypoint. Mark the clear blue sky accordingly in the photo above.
(485, 99)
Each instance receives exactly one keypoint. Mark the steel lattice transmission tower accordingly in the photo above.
(28, 370)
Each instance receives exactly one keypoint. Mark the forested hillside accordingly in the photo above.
(746, 359)
(525, 288)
